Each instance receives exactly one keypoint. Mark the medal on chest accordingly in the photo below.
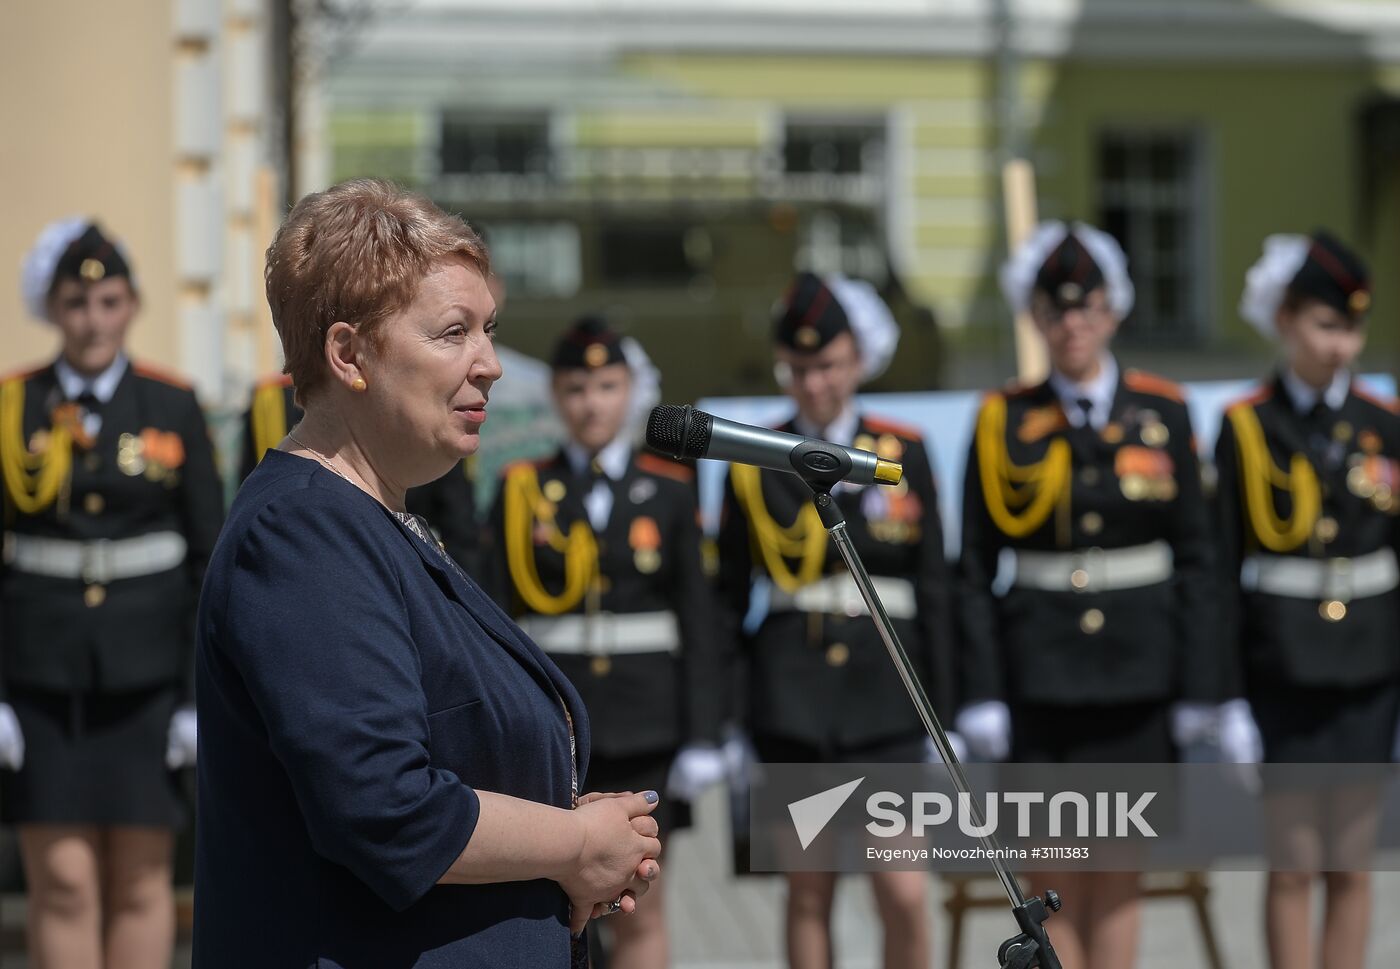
(155, 454)
(644, 538)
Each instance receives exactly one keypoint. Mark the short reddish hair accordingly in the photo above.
(355, 252)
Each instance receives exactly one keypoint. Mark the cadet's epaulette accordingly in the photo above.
(26, 373)
(161, 376)
(1257, 396)
(1148, 383)
(665, 468)
(882, 425)
(276, 380)
(1015, 387)
(1384, 403)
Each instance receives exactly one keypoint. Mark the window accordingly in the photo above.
(651, 254)
(1151, 190)
(537, 259)
(833, 241)
(474, 145)
(833, 147)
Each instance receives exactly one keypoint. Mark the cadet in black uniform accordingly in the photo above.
(821, 685)
(1092, 478)
(1308, 494)
(598, 556)
(111, 506)
(447, 504)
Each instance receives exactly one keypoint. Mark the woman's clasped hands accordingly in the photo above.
(617, 858)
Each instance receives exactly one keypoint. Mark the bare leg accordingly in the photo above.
(1348, 919)
(1112, 940)
(640, 940)
(810, 896)
(1288, 919)
(139, 902)
(902, 898)
(62, 866)
(1294, 826)
(1069, 930)
(1354, 816)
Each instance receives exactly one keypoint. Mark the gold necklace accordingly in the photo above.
(326, 461)
(319, 457)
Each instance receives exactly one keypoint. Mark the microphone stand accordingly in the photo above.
(1030, 949)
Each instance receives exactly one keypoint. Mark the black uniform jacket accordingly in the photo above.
(1133, 483)
(827, 679)
(648, 560)
(448, 504)
(1352, 454)
(150, 469)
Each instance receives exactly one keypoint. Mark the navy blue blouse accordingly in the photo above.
(354, 691)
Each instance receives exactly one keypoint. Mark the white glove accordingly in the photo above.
(182, 740)
(11, 739)
(1194, 722)
(931, 754)
(986, 727)
(1240, 742)
(739, 761)
(696, 768)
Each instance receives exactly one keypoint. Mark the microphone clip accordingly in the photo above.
(820, 464)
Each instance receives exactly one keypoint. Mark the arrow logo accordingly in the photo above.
(811, 814)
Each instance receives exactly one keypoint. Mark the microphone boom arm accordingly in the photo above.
(1030, 949)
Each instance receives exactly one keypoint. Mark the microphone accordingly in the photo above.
(684, 432)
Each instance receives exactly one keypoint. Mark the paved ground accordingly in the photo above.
(736, 925)
(720, 923)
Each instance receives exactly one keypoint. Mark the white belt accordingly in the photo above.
(101, 561)
(1095, 569)
(1373, 574)
(605, 633)
(837, 595)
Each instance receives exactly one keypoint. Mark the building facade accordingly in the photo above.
(672, 162)
(154, 118)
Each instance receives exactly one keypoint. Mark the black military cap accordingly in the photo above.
(90, 257)
(809, 316)
(1069, 274)
(1334, 275)
(587, 345)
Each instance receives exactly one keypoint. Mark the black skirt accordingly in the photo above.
(1326, 725)
(638, 773)
(93, 759)
(1116, 733)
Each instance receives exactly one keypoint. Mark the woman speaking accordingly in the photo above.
(389, 767)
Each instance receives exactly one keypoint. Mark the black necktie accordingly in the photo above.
(1319, 423)
(1082, 438)
(1087, 407)
(89, 402)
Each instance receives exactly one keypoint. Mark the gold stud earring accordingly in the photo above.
(358, 385)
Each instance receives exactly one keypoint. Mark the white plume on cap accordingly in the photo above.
(646, 383)
(1267, 281)
(1019, 272)
(36, 273)
(872, 324)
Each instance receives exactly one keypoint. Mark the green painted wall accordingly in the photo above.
(813, 80)
(1281, 143)
(388, 143)
(1281, 147)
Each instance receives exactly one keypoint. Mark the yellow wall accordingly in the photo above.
(85, 107)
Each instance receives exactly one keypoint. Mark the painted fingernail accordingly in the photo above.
(652, 797)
